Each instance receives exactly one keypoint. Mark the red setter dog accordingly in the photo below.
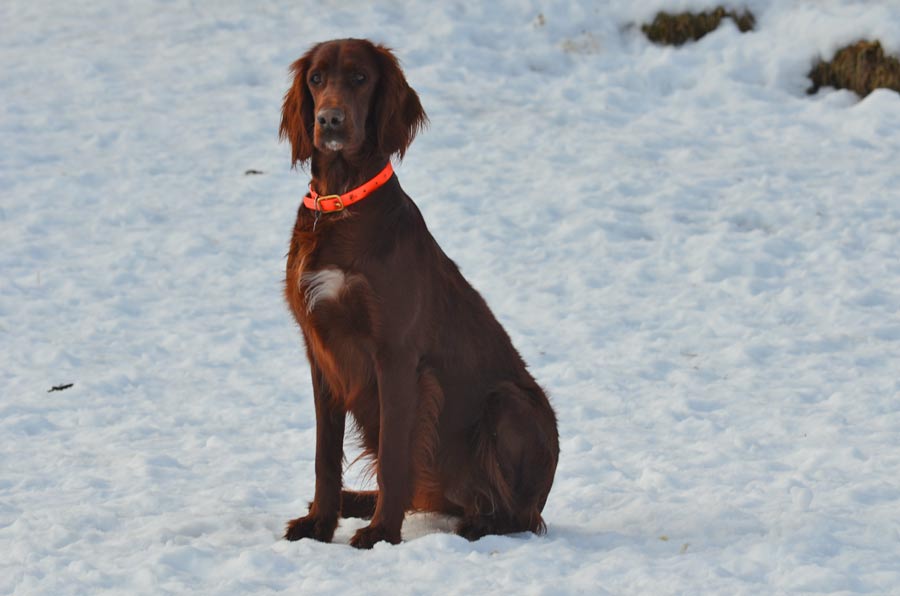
(394, 334)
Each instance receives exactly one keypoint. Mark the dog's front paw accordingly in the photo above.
(311, 526)
(368, 536)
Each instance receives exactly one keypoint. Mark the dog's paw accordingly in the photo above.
(310, 526)
(473, 528)
(368, 536)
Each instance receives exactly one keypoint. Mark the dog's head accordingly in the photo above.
(349, 96)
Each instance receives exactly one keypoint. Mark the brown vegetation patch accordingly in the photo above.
(677, 29)
(861, 67)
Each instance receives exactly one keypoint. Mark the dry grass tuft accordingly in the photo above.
(677, 29)
(861, 67)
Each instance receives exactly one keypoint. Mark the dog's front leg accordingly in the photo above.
(397, 407)
(322, 518)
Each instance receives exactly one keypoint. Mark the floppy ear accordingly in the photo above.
(297, 113)
(398, 113)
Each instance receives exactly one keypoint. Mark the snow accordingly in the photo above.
(698, 261)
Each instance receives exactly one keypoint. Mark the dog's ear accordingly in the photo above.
(398, 112)
(297, 112)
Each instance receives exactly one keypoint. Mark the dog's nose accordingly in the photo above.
(330, 118)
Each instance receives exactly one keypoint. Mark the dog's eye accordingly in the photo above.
(315, 78)
(358, 78)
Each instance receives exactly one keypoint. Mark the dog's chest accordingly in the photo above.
(318, 287)
(333, 307)
(329, 294)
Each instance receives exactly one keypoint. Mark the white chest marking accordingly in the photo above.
(321, 285)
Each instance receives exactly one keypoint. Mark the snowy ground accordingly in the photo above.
(699, 262)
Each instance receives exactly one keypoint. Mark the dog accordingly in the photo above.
(394, 334)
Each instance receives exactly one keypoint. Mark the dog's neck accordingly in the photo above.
(335, 173)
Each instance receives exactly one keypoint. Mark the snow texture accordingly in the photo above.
(698, 261)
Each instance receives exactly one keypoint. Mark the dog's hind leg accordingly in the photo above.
(358, 503)
(516, 450)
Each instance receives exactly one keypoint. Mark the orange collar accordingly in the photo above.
(331, 203)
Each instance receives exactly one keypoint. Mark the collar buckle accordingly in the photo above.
(338, 205)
